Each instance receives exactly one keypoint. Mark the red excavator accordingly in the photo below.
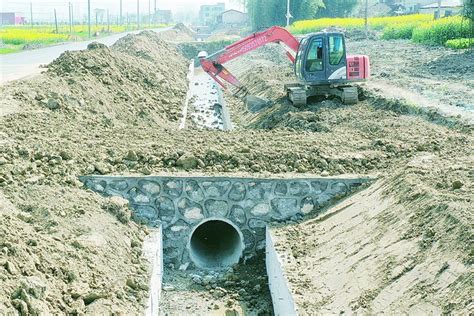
(321, 64)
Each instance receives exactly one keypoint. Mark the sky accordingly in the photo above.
(43, 9)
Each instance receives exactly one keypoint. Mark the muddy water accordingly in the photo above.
(206, 104)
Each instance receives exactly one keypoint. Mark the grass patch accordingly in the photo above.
(439, 31)
(10, 49)
(460, 43)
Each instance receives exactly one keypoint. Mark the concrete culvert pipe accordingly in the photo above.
(215, 243)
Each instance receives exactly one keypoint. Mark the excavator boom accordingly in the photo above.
(213, 64)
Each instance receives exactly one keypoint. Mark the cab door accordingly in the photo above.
(336, 58)
(313, 67)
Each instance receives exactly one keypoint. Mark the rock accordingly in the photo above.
(34, 286)
(184, 266)
(89, 298)
(101, 168)
(3, 161)
(187, 161)
(168, 288)
(257, 288)
(207, 280)
(197, 279)
(219, 293)
(457, 184)
(52, 104)
(90, 169)
(131, 155)
(21, 306)
(132, 283)
(37, 307)
(96, 45)
(11, 268)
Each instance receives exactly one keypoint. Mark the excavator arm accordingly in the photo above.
(213, 64)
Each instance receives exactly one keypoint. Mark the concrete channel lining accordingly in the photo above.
(283, 302)
(181, 203)
(215, 243)
(153, 252)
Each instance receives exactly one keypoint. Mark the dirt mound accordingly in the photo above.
(66, 250)
(184, 28)
(179, 33)
(125, 79)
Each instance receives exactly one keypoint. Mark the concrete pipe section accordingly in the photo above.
(215, 243)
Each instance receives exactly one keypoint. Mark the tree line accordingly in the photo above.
(266, 13)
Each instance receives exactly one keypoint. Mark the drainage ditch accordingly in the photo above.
(214, 232)
(205, 105)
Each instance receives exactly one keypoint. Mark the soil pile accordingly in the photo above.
(66, 250)
(179, 33)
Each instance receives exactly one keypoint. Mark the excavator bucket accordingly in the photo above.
(256, 104)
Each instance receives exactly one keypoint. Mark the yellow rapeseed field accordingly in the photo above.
(26, 36)
(378, 23)
(14, 38)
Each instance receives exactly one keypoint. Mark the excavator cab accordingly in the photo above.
(321, 59)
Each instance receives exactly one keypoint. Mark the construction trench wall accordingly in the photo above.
(283, 303)
(210, 222)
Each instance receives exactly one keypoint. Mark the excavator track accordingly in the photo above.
(297, 96)
(349, 95)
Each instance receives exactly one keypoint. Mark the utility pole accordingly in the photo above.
(438, 14)
(31, 13)
(89, 16)
(288, 14)
(138, 14)
(121, 8)
(70, 17)
(155, 7)
(108, 22)
(56, 21)
(366, 18)
(149, 13)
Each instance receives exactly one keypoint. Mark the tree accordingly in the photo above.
(266, 13)
(337, 8)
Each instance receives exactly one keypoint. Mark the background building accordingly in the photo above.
(209, 12)
(447, 8)
(232, 18)
(11, 18)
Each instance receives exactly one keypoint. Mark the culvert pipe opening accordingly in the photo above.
(215, 244)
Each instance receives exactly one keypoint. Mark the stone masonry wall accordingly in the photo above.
(181, 203)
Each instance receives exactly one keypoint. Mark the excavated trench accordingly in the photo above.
(205, 106)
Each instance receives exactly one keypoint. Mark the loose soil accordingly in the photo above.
(116, 111)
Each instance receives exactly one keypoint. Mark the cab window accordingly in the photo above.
(314, 59)
(336, 49)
